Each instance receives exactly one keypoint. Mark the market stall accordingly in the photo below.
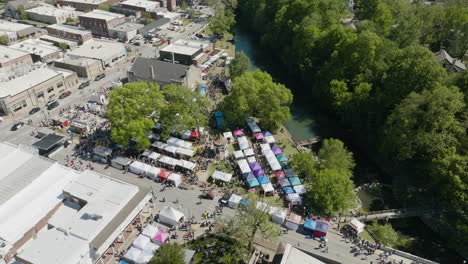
(154, 156)
(279, 216)
(121, 163)
(179, 143)
(321, 228)
(239, 132)
(293, 221)
(254, 127)
(164, 174)
(160, 237)
(299, 189)
(152, 172)
(175, 179)
(263, 180)
(294, 181)
(294, 198)
(234, 201)
(102, 154)
(258, 136)
(141, 242)
(243, 142)
(249, 152)
(357, 225)
(264, 147)
(221, 176)
(243, 166)
(253, 182)
(228, 136)
(137, 167)
(186, 165)
(238, 154)
(309, 225)
(268, 188)
(170, 216)
(150, 231)
(132, 254)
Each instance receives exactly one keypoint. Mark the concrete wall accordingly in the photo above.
(17, 63)
(70, 35)
(90, 70)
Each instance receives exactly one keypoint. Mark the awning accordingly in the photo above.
(222, 176)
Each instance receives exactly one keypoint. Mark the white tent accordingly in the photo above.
(170, 216)
(171, 149)
(251, 160)
(249, 152)
(150, 231)
(272, 160)
(159, 145)
(294, 198)
(244, 166)
(265, 146)
(147, 254)
(186, 164)
(234, 201)
(137, 167)
(228, 136)
(186, 134)
(269, 139)
(154, 156)
(169, 161)
(179, 143)
(243, 143)
(141, 242)
(185, 152)
(279, 216)
(222, 176)
(238, 154)
(175, 178)
(357, 225)
(293, 221)
(153, 172)
(132, 254)
(299, 189)
(268, 187)
(254, 127)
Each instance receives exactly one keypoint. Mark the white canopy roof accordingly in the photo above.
(141, 242)
(267, 187)
(235, 200)
(243, 142)
(254, 127)
(272, 160)
(175, 178)
(251, 159)
(147, 254)
(269, 139)
(152, 172)
(132, 254)
(279, 216)
(228, 135)
(169, 161)
(170, 215)
(187, 164)
(179, 143)
(154, 156)
(159, 145)
(137, 167)
(222, 176)
(357, 225)
(265, 146)
(150, 231)
(299, 189)
(249, 152)
(238, 154)
(185, 152)
(170, 149)
(244, 166)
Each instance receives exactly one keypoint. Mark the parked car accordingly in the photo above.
(16, 126)
(65, 94)
(51, 105)
(225, 199)
(84, 85)
(34, 110)
(100, 77)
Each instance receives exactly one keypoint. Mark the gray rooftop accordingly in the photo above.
(158, 23)
(163, 71)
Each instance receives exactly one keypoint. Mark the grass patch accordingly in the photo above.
(37, 22)
(185, 21)
(365, 235)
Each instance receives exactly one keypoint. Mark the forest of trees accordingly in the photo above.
(381, 79)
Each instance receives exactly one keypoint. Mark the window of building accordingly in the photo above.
(17, 107)
(60, 84)
(50, 89)
(40, 94)
(24, 103)
(61, 91)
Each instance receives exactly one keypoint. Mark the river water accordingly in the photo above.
(309, 121)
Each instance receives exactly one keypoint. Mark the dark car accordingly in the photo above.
(52, 105)
(224, 200)
(64, 94)
(16, 126)
(84, 85)
(34, 110)
(100, 77)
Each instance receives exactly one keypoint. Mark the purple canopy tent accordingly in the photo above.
(277, 151)
(161, 237)
(259, 173)
(255, 166)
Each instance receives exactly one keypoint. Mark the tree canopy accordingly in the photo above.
(130, 109)
(169, 253)
(255, 94)
(334, 155)
(217, 248)
(384, 233)
(239, 65)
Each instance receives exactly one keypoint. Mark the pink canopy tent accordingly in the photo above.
(161, 237)
(238, 132)
(258, 136)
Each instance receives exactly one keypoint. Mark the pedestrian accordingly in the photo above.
(326, 249)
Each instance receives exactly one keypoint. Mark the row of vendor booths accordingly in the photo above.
(151, 238)
(155, 173)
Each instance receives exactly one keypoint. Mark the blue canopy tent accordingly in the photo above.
(267, 134)
(253, 182)
(289, 173)
(202, 89)
(282, 158)
(219, 120)
(294, 181)
(288, 190)
(245, 202)
(123, 262)
(263, 180)
(248, 175)
(310, 224)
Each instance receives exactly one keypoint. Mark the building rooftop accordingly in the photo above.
(128, 26)
(93, 2)
(8, 54)
(11, 26)
(16, 83)
(30, 187)
(71, 29)
(56, 39)
(103, 15)
(185, 47)
(37, 47)
(163, 71)
(148, 5)
(77, 60)
(98, 49)
(157, 24)
(293, 255)
(73, 230)
(52, 11)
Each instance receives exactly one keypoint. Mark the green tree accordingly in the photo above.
(332, 192)
(130, 110)
(4, 40)
(334, 155)
(255, 94)
(223, 21)
(63, 46)
(304, 164)
(425, 124)
(249, 222)
(168, 254)
(70, 20)
(217, 248)
(185, 110)
(384, 233)
(239, 65)
(22, 13)
(105, 7)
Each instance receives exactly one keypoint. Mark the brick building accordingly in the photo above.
(11, 59)
(70, 32)
(84, 5)
(99, 21)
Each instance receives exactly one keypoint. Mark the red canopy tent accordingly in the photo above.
(194, 134)
(279, 174)
(164, 174)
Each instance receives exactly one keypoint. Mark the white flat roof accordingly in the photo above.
(293, 255)
(148, 5)
(179, 49)
(52, 11)
(95, 2)
(57, 39)
(26, 81)
(10, 26)
(36, 47)
(128, 26)
(101, 14)
(98, 49)
(191, 43)
(71, 29)
(8, 54)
